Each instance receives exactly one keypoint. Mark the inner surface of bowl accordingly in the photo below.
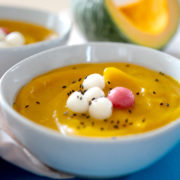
(23, 72)
(88, 156)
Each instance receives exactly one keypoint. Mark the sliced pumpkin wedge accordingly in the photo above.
(119, 78)
(146, 22)
(149, 23)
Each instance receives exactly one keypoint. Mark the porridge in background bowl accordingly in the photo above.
(18, 33)
(21, 24)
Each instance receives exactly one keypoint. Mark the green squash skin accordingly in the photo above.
(96, 24)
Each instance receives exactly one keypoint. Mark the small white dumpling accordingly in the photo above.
(100, 108)
(93, 93)
(15, 39)
(2, 35)
(94, 80)
(77, 103)
(4, 44)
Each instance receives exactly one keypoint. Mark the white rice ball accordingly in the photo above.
(94, 92)
(4, 44)
(100, 108)
(94, 80)
(2, 35)
(15, 39)
(77, 103)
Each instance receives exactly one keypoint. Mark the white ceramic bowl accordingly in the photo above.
(92, 157)
(60, 23)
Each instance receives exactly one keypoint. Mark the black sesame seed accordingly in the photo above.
(137, 93)
(129, 111)
(87, 117)
(80, 91)
(102, 129)
(73, 82)
(126, 120)
(167, 105)
(109, 82)
(93, 99)
(74, 67)
(154, 92)
(157, 80)
(85, 77)
(79, 79)
(161, 73)
(110, 89)
(116, 126)
(81, 98)
(73, 91)
(83, 114)
(26, 106)
(74, 114)
(64, 87)
(85, 91)
(161, 104)
(68, 94)
(90, 103)
(143, 120)
(37, 102)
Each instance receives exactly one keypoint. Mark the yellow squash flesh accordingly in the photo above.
(147, 22)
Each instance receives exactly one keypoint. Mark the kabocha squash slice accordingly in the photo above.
(149, 23)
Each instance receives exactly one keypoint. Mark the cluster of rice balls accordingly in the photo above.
(10, 39)
(94, 101)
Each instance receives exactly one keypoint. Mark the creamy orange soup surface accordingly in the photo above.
(157, 100)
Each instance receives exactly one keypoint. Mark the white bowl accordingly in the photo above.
(92, 157)
(60, 23)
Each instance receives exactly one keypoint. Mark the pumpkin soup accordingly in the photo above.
(17, 33)
(100, 100)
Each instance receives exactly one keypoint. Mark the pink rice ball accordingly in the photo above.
(121, 97)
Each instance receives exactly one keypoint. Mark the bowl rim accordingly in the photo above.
(45, 130)
(44, 42)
